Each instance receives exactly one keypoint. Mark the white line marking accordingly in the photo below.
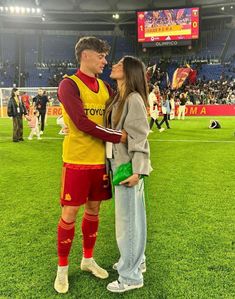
(199, 141)
(151, 140)
(26, 138)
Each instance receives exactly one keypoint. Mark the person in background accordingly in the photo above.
(166, 111)
(172, 104)
(153, 98)
(16, 110)
(26, 100)
(60, 122)
(33, 124)
(40, 104)
(182, 105)
(128, 111)
(49, 104)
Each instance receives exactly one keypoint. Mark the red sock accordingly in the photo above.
(89, 229)
(64, 242)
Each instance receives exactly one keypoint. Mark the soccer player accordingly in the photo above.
(25, 98)
(84, 178)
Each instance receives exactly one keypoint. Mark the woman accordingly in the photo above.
(128, 111)
(16, 109)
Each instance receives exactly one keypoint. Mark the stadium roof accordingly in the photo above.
(87, 15)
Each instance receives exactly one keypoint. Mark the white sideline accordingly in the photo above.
(26, 138)
(151, 140)
(185, 140)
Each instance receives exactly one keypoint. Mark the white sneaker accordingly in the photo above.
(30, 138)
(41, 132)
(161, 130)
(150, 131)
(61, 284)
(118, 287)
(142, 267)
(91, 266)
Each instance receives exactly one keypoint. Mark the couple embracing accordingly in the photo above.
(123, 125)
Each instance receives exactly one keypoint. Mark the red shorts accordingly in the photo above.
(80, 184)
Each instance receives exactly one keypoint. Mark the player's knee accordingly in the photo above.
(92, 209)
(69, 213)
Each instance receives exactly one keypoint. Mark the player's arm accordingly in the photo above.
(34, 102)
(68, 96)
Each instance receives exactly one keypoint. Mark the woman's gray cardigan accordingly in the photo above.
(134, 121)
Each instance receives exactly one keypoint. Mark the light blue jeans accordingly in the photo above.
(130, 224)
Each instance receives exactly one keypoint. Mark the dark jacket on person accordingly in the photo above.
(40, 102)
(14, 109)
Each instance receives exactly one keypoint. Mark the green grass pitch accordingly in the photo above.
(190, 208)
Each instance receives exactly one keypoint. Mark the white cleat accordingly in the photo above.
(61, 284)
(161, 130)
(91, 266)
(119, 287)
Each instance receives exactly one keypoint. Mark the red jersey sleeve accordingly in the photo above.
(68, 94)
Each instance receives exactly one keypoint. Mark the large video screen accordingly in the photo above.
(168, 24)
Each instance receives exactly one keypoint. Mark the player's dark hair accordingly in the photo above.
(91, 43)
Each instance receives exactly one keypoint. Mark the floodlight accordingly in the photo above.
(116, 16)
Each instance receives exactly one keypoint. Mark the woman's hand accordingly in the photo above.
(131, 181)
(124, 136)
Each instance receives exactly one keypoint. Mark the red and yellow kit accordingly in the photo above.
(80, 147)
(83, 101)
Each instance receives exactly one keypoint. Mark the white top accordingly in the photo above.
(153, 110)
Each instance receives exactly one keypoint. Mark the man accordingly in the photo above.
(84, 179)
(40, 104)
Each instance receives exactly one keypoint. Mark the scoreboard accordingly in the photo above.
(168, 25)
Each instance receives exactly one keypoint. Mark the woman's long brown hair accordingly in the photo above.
(135, 81)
